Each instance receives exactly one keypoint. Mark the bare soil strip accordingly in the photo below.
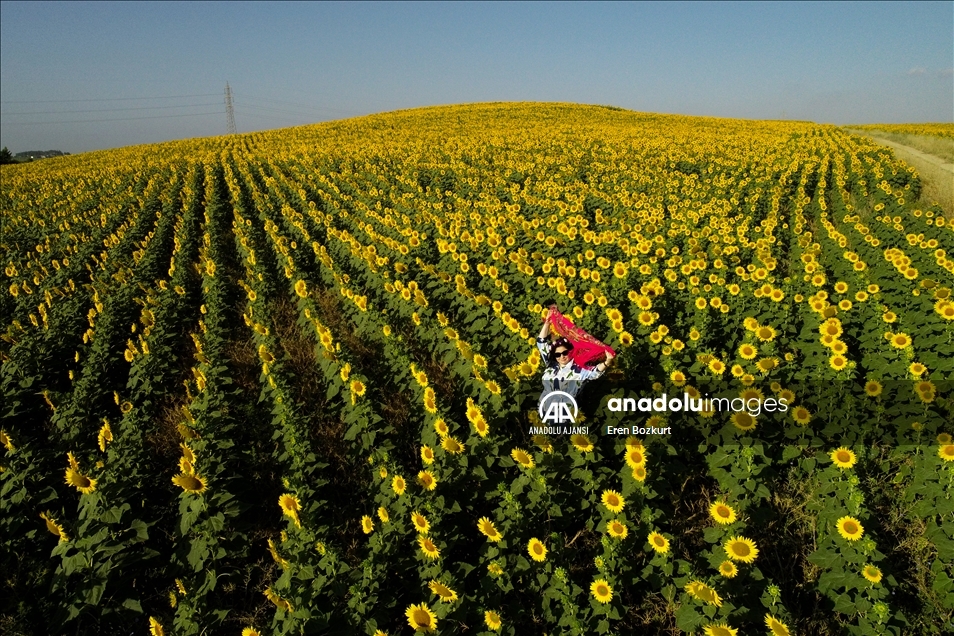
(936, 174)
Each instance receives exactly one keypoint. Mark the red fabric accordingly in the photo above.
(587, 351)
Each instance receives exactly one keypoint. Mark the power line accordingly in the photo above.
(91, 121)
(105, 99)
(108, 110)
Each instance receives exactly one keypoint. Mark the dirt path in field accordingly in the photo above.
(936, 173)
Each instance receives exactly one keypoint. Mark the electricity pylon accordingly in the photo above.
(229, 111)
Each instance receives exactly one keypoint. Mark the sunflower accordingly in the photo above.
(427, 547)
(925, 387)
(617, 529)
(728, 569)
(488, 529)
(751, 394)
(494, 569)
(704, 593)
(613, 501)
(54, 528)
(277, 600)
(522, 457)
(452, 446)
(473, 411)
(421, 524)
(446, 594)
(944, 438)
(427, 454)
(917, 369)
(720, 629)
(639, 473)
(538, 551)
(383, 514)
(251, 631)
(105, 435)
(421, 618)
(543, 443)
(717, 367)
(635, 456)
(777, 627)
(722, 513)
(367, 525)
(6, 441)
(741, 549)
(155, 627)
(765, 333)
(850, 528)
(946, 452)
(843, 457)
(430, 400)
(831, 328)
(582, 443)
(743, 421)
(900, 341)
(658, 542)
(601, 591)
(492, 620)
(873, 388)
(748, 352)
(301, 289)
(290, 506)
(481, 426)
(801, 415)
(357, 387)
(265, 355)
(440, 426)
(427, 480)
(398, 485)
(81, 482)
(871, 573)
(838, 362)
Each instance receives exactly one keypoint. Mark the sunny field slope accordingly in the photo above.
(282, 382)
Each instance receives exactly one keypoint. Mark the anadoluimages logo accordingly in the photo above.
(555, 408)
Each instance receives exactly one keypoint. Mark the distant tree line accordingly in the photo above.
(7, 157)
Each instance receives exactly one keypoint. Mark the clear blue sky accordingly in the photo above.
(290, 64)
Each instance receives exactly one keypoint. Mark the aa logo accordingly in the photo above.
(555, 408)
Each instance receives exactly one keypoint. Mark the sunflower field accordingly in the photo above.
(285, 382)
